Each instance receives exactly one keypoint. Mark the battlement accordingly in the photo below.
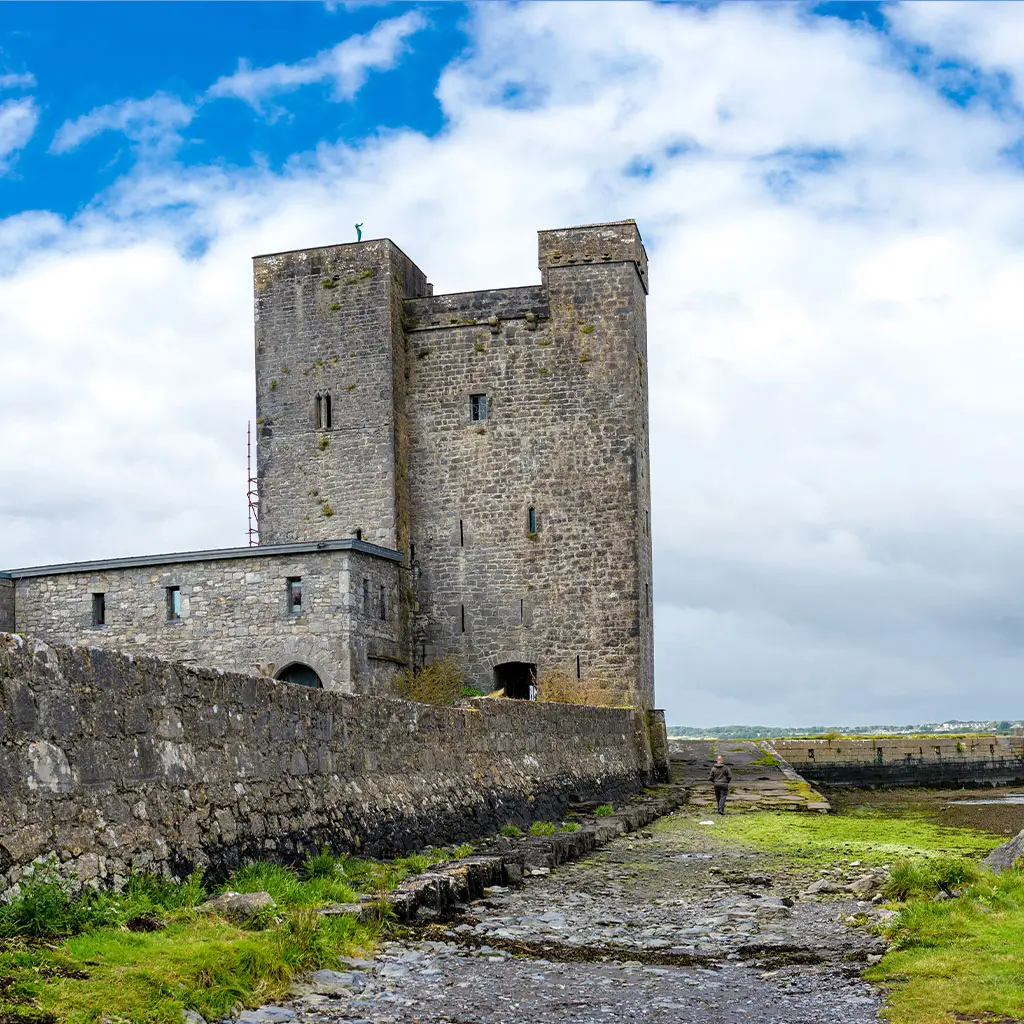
(617, 242)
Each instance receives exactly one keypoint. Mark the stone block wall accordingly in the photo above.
(564, 370)
(234, 613)
(117, 763)
(329, 323)
(6, 605)
(886, 749)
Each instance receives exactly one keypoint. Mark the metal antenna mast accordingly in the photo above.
(253, 493)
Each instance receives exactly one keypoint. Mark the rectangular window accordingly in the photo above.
(531, 520)
(366, 596)
(462, 535)
(462, 613)
(99, 609)
(294, 595)
(579, 668)
(383, 603)
(478, 408)
(174, 604)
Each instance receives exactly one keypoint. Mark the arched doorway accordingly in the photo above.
(517, 678)
(300, 675)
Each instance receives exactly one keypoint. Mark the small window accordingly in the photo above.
(810, 754)
(383, 609)
(323, 412)
(878, 755)
(99, 609)
(462, 535)
(174, 604)
(294, 595)
(478, 408)
(531, 520)
(462, 614)
(366, 596)
(358, 533)
(579, 668)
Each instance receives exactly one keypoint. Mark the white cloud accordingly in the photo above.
(18, 120)
(12, 80)
(837, 255)
(152, 124)
(346, 65)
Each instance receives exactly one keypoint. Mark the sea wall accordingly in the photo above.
(117, 763)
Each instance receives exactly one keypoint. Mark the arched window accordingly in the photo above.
(322, 406)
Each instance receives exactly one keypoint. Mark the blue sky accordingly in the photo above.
(832, 199)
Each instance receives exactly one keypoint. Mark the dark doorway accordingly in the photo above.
(300, 675)
(517, 678)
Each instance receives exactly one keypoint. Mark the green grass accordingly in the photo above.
(872, 836)
(570, 826)
(543, 828)
(604, 811)
(72, 955)
(960, 956)
(511, 831)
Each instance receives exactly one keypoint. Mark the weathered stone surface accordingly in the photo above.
(524, 535)
(6, 605)
(259, 768)
(1005, 856)
(235, 616)
(239, 906)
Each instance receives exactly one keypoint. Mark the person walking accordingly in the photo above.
(720, 779)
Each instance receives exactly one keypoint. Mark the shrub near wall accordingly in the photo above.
(118, 763)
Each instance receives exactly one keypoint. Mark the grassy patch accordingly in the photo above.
(604, 811)
(543, 828)
(872, 836)
(960, 955)
(144, 954)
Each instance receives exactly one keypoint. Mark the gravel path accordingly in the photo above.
(663, 925)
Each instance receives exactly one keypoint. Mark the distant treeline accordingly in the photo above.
(750, 732)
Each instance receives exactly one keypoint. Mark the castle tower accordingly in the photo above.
(330, 363)
(498, 439)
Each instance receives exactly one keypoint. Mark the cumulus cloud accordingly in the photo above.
(345, 66)
(151, 123)
(18, 120)
(837, 254)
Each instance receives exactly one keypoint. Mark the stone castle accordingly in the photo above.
(462, 474)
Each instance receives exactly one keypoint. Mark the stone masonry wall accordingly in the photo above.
(899, 749)
(564, 370)
(117, 763)
(234, 614)
(6, 605)
(329, 322)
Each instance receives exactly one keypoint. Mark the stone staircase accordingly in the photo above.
(760, 780)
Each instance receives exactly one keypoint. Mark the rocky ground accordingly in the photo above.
(668, 924)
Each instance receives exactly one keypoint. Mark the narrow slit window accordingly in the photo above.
(366, 596)
(383, 610)
(520, 610)
(462, 535)
(359, 533)
(99, 609)
(294, 595)
(174, 604)
(462, 614)
(477, 408)
(412, 552)
(323, 412)
(531, 520)
(579, 668)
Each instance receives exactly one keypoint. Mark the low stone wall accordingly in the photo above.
(901, 749)
(117, 763)
(947, 773)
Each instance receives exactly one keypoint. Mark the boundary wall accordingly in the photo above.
(940, 761)
(117, 763)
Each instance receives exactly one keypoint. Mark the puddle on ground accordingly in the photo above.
(1012, 798)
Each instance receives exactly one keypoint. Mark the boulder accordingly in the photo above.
(240, 906)
(1004, 857)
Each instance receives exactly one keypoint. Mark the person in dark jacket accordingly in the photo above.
(720, 778)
